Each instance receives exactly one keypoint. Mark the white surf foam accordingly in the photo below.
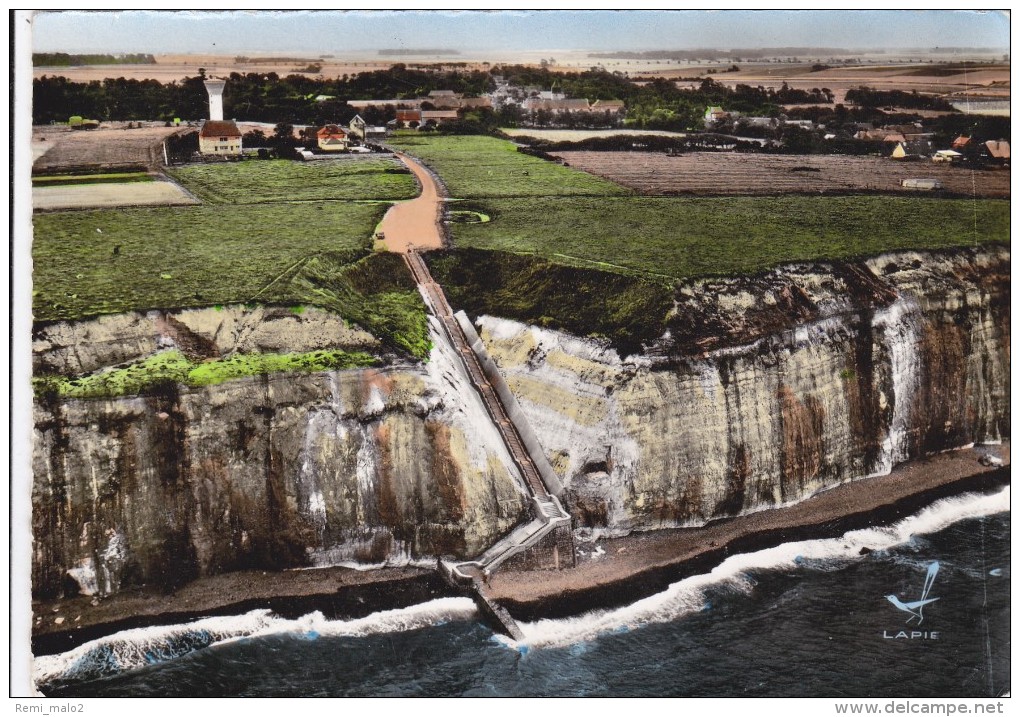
(136, 648)
(688, 595)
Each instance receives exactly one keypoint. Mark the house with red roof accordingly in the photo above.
(220, 138)
(332, 138)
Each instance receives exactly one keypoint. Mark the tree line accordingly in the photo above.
(63, 59)
(302, 99)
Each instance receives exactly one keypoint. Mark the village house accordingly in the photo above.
(332, 138)
(365, 132)
(961, 142)
(220, 138)
(715, 114)
(536, 104)
(408, 118)
(611, 106)
(437, 117)
(915, 148)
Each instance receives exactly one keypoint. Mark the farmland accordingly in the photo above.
(679, 237)
(731, 173)
(257, 181)
(96, 262)
(476, 166)
(579, 135)
(115, 147)
(78, 195)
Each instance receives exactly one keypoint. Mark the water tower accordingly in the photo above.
(215, 90)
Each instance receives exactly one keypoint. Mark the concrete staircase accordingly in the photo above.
(548, 513)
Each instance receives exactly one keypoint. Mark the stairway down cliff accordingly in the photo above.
(765, 390)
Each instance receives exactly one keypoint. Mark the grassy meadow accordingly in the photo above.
(282, 180)
(473, 166)
(679, 238)
(270, 231)
(107, 261)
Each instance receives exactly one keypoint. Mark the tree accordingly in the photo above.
(283, 140)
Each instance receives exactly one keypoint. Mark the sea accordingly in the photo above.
(815, 618)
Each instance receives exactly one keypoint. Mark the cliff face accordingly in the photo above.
(364, 466)
(770, 388)
(765, 390)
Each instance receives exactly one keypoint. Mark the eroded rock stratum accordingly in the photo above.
(765, 390)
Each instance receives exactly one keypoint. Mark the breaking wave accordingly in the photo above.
(132, 649)
(139, 647)
(689, 595)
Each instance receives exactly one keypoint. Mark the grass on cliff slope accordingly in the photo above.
(676, 237)
(112, 261)
(174, 367)
(476, 166)
(282, 180)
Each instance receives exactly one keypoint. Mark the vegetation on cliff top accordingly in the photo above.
(91, 263)
(683, 237)
(173, 367)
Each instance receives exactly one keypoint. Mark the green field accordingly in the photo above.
(281, 180)
(112, 261)
(109, 261)
(473, 166)
(268, 233)
(679, 238)
(56, 180)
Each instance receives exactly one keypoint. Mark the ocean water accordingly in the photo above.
(803, 619)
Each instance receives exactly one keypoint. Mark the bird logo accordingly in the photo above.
(916, 607)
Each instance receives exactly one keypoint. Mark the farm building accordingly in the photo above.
(880, 135)
(947, 155)
(408, 118)
(535, 104)
(471, 103)
(332, 138)
(925, 184)
(998, 148)
(961, 142)
(614, 106)
(220, 138)
(917, 148)
(364, 131)
(443, 95)
(437, 117)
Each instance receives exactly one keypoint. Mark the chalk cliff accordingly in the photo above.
(769, 388)
(764, 390)
(364, 466)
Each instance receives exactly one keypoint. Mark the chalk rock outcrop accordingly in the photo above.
(769, 388)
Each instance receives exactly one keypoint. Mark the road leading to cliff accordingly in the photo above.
(416, 221)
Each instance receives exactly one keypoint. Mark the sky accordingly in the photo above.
(192, 31)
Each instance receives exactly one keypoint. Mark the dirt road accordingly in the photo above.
(416, 221)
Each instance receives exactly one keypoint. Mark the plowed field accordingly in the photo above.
(60, 148)
(731, 173)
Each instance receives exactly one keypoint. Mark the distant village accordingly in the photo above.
(786, 120)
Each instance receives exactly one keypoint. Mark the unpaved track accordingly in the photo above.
(416, 221)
